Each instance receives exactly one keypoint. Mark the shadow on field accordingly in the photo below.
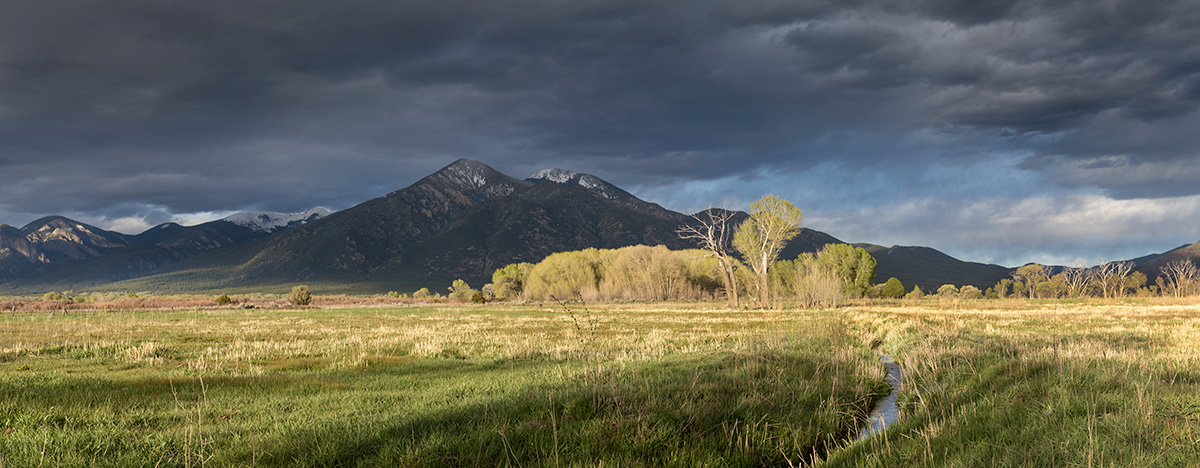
(736, 410)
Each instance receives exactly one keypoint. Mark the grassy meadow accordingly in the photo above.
(987, 383)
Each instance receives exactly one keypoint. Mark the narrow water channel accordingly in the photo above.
(887, 411)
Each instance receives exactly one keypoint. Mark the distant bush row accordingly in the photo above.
(644, 273)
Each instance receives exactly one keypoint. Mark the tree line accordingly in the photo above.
(1109, 280)
(740, 263)
(733, 262)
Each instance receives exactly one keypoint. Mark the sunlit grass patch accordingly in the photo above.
(627, 384)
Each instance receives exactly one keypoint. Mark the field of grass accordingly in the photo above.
(1049, 383)
(422, 386)
(987, 383)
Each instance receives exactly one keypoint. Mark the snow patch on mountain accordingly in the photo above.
(561, 176)
(587, 181)
(271, 221)
(476, 175)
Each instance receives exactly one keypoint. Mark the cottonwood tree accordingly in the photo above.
(854, 267)
(773, 221)
(1031, 275)
(1003, 288)
(1076, 278)
(711, 232)
(1110, 278)
(509, 282)
(1179, 277)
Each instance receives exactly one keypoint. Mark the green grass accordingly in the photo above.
(1048, 384)
(987, 383)
(430, 387)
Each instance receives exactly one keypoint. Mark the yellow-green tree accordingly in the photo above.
(1031, 275)
(772, 223)
(460, 291)
(893, 289)
(509, 282)
(853, 266)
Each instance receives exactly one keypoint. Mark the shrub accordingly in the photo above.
(52, 296)
(811, 282)
(422, 293)
(131, 295)
(916, 293)
(224, 300)
(300, 295)
(893, 289)
(970, 292)
(393, 294)
(461, 291)
(478, 297)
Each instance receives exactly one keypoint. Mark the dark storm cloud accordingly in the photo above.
(224, 105)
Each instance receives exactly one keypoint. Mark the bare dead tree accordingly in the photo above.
(712, 232)
(1110, 278)
(1076, 278)
(1180, 277)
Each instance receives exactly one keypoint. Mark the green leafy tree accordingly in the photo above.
(947, 291)
(916, 293)
(422, 293)
(892, 289)
(772, 223)
(853, 266)
(1135, 281)
(52, 296)
(1031, 275)
(1003, 288)
(509, 282)
(460, 291)
(300, 295)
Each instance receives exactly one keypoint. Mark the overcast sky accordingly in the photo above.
(997, 131)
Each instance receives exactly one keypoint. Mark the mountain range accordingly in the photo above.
(463, 221)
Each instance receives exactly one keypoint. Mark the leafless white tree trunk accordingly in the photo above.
(1077, 278)
(1181, 276)
(1110, 278)
(712, 233)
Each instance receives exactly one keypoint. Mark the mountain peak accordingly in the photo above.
(269, 221)
(9, 231)
(473, 176)
(62, 228)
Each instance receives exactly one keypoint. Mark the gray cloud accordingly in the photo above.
(141, 108)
